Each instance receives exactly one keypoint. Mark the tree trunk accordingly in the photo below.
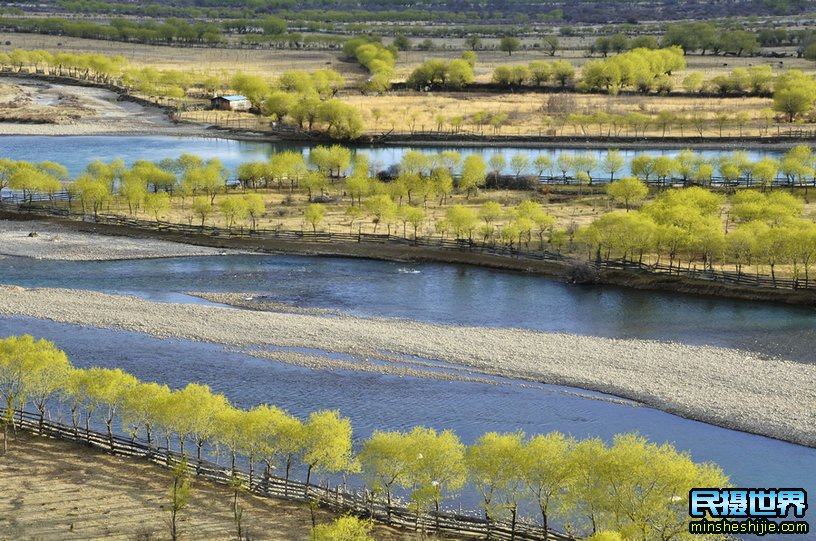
(109, 424)
(545, 522)
(308, 477)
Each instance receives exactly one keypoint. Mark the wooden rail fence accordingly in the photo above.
(360, 502)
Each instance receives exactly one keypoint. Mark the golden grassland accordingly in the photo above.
(285, 210)
(408, 112)
(55, 491)
(264, 62)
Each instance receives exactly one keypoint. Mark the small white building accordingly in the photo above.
(231, 103)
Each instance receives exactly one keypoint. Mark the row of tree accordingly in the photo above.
(689, 225)
(454, 74)
(171, 31)
(305, 99)
(378, 59)
(632, 486)
(640, 69)
(537, 73)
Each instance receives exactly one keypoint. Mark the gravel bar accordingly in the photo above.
(41, 240)
(725, 387)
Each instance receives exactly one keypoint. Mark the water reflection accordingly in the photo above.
(75, 152)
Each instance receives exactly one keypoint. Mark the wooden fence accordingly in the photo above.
(287, 235)
(361, 502)
(735, 278)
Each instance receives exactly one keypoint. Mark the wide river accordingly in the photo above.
(75, 152)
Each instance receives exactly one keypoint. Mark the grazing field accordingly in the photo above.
(56, 491)
(516, 111)
(272, 62)
(266, 62)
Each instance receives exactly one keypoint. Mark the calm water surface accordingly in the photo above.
(452, 294)
(75, 152)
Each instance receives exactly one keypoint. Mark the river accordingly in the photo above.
(75, 152)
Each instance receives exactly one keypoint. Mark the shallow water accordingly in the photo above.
(386, 402)
(460, 295)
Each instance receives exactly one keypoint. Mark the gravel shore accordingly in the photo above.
(725, 387)
(55, 242)
(103, 113)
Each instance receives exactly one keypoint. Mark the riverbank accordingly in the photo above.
(43, 240)
(55, 100)
(57, 490)
(724, 387)
(103, 236)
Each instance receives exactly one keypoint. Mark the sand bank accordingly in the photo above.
(55, 242)
(725, 387)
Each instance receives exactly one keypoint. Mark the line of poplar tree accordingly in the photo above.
(633, 486)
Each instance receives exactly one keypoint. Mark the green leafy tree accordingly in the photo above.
(142, 407)
(795, 94)
(255, 208)
(627, 190)
(546, 471)
(179, 493)
(612, 163)
(497, 163)
(495, 464)
(108, 389)
(474, 173)
(156, 204)
(414, 216)
(346, 528)
(196, 410)
(437, 466)
(509, 44)
(255, 88)
(29, 370)
(550, 44)
(202, 209)
(462, 221)
(327, 444)
(314, 215)
(385, 458)
(563, 72)
(234, 209)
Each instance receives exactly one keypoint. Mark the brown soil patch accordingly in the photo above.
(57, 490)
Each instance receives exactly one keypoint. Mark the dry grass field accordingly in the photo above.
(272, 62)
(407, 112)
(528, 113)
(266, 62)
(286, 211)
(59, 491)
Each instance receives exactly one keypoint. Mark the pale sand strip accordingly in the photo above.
(55, 242)
(725, 387)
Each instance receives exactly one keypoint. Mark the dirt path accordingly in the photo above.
(101, 112)
(56, 490)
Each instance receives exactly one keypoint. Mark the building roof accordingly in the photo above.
(236, 97)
